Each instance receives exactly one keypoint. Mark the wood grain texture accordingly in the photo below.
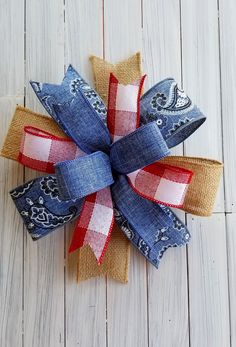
(201, 78)
(208, 282)
(86, 301)
(44, 260)
(11, 175)
(122, 39)
(227, 26)
(11, 241)
(231, 243)
(167, 286)
(190, 299)
(158, 36)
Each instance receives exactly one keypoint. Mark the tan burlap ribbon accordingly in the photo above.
(116, 260)
(199, 199)
(201, 194)
(126, 71)
(21, 118)
(115, 263)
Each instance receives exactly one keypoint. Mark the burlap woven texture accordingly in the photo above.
(125, 71)
(201, 194)
(116, 260)
(202, 191)
(21, 118)
(199, 199)
(115, 263)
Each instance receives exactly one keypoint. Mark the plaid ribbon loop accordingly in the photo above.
(84, 185)
(40, 150)
(164, 184)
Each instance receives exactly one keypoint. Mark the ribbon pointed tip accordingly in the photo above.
(36, 86)
(70, 67)
(73, 247)
(70, 70)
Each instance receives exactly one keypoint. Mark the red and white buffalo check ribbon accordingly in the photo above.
(123, 115)
(97, 217)
(40, 150)
(95, 223)
(161, 183)
(164, 184)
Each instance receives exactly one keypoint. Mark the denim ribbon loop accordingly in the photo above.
(172, 109)
(88, 174)
(83, 176)
(84, 186)
(140, 148)
(83, 125)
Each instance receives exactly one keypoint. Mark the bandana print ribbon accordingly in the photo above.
(100, 165)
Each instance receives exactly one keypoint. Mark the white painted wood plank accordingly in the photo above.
(127, 306)
(201, 78)
(122, 29)
(227, 13)
(44, 259)
(11, 174)
(83, 39)
(160, 39)
(85, 301)
(168, 301)
(12, 52)
(231, 243)
(11, 241)
(208, 291)
(127, 317)
(85, 307)
(207, 260)
(167, 286)
(208, 282)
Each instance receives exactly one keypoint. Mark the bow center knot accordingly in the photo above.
(84, 175)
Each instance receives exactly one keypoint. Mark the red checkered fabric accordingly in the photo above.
(40, 150)
(123, 115)
(97, 217)
(157, 182)
(161, 183)
(95, 223)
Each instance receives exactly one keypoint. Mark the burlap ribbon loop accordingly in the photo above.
(202, 191)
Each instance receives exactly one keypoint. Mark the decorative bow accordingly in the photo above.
(92, 160)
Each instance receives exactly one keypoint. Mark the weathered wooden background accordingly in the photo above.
(190, 300)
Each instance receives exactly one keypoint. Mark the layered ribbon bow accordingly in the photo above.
(109, 159)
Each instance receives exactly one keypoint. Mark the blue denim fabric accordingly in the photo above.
(138, 149)
(72, 84)
(83, 176)
(41, 208)
(152, 228)
(80, 112)
(173, 111)
(73, 110)
(83, 125)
